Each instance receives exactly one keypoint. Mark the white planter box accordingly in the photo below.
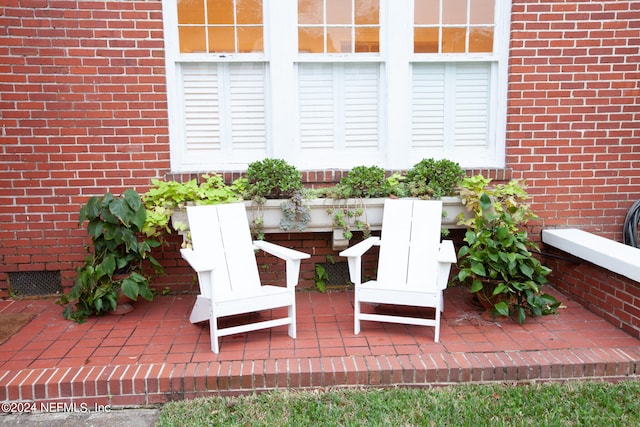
(322, 221)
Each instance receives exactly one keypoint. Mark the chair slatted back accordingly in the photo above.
(409, 244)
(223, 232)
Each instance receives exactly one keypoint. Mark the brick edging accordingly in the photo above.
(152, 384)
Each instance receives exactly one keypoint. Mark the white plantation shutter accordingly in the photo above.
(224, 112)
(247, 106)
(361, 105)
(201, 107)
(450, 105)
(472, 105)
(316, 105)
(339, 106)
(428, 100)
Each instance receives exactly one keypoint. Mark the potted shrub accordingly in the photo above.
(349, 208)
(114, 265)
(276, 179)
(496, 260)
(434, 179)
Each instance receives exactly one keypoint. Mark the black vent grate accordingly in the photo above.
(338, 273)
(28, 283)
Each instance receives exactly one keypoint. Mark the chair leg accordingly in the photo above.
(292, 316)
(213, 332)
(356, 316)
(436, 333)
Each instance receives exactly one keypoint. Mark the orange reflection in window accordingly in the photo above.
(425, 40)
(310, 12)
(250, 39)
(481, 11)
(367, 12)
(481, 39)
(249, 12)
(426, 12)
(221, 40)
(453, 40)
(220, 12)
(339, 40)
(310, 40)
(192, 39)
(367, 39)
(454, 12)
(338, 12)
(190, 12)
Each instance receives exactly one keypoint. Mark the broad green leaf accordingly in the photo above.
(485, 202)
(502, 308)
(130, 288)
(478, 268)
(121, 210)
(500, 288)
(476, 286)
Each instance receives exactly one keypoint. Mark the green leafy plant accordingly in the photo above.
(114, 265)
(321, 277)
(365, 182)
(273, 179)
(434, 179)
(276, 179)
(164, 197)
(496, 261)
(362, 182)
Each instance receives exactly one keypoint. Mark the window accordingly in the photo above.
(336, 83)
(340, 96)
(454, 98)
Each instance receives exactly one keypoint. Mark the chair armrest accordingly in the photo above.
(359, 249)
(446, 252)
(354, 257)
(198, 261)
(280, 251)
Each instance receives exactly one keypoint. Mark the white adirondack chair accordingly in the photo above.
(223, 255)
(413, 265)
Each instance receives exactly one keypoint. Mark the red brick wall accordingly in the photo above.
(573, 110)
(614, 297)
(83, 110)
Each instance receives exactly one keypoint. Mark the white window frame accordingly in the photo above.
(396, 59)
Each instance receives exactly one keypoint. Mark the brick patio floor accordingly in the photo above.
(154, 354)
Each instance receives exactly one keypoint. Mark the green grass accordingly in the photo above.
(553, 404)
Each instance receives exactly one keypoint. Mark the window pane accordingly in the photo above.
(339, 40)
(368, 39)
(310, 40)
(453, 40)
(221, 39)
(481, 39)
(367, 12)
(192, 39)
(482, 11)
(250, 39)
(427, 12)
(190, 12)
(338, 12)
(220, 12)
(454, 12)
(425, 40)
(310, 12)
(249, 12)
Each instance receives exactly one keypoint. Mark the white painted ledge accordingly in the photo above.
(614, 256)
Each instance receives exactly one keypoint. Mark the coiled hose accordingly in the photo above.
(630, 228)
